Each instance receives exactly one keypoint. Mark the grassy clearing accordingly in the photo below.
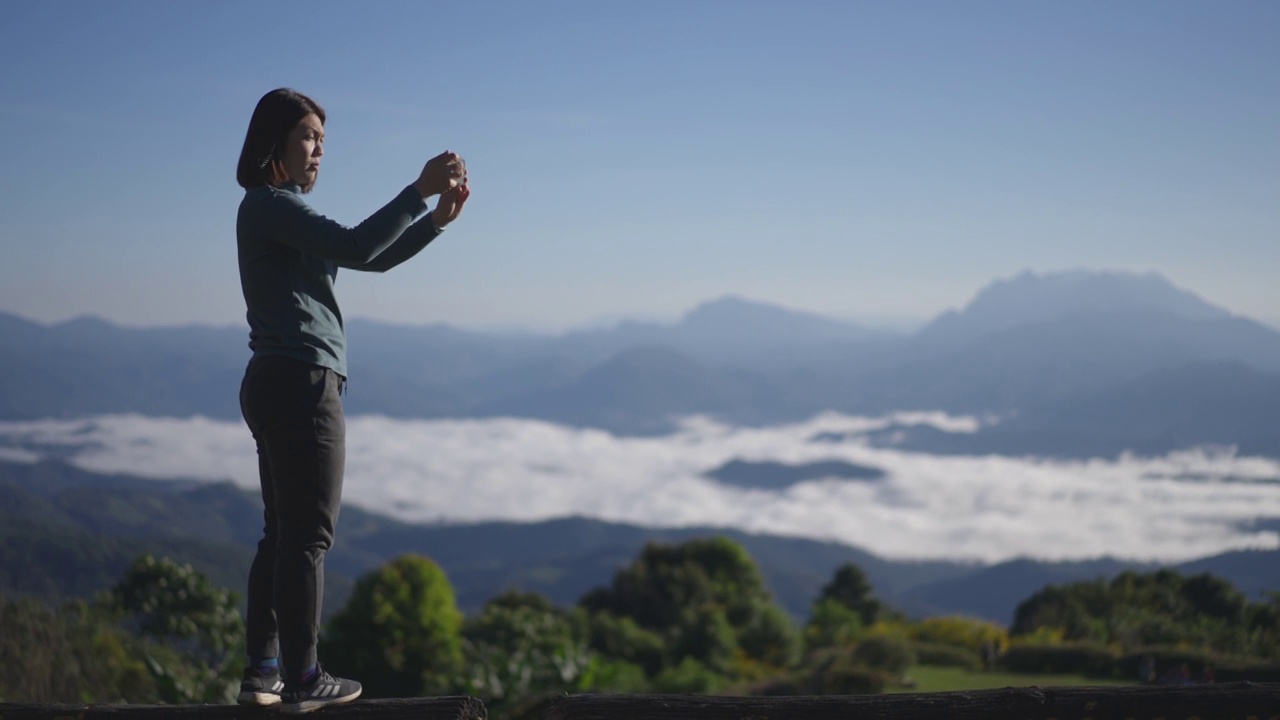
(938, 679)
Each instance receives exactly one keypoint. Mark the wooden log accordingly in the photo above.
(1224, 701)
(436, 708)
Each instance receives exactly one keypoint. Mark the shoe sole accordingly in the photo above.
(307, 706)
(261, 699)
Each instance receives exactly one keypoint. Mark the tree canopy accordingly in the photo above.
(706, 599)
(1156, 608)
(401, 630)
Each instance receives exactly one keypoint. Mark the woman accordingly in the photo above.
(290, 397)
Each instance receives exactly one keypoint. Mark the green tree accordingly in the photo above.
(705, 598)
(665, 580)
(399, 632)
(890, 654)
(771, 637)
(689, 676)
(1142, 609)
(72, 654)
(705, 634)
(1264, 623)
(1215, 597)
(196, 626)
(850, 587)
(521, 645)
(832, 624)
(621, 639)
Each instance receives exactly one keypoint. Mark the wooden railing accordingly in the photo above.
(1227, 701)
(1224, 701)
(441, 708)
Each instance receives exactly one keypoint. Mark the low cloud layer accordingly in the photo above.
(1186, 505)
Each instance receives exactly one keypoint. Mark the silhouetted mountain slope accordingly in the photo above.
(47, 551)
(779, 476)
(1254, 572)
(993, 593)
(89, 366)
(746, 322)
(1033, 364)
(1220, 403)
(736, 332)
(643, 390)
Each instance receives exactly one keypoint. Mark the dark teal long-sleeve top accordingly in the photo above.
(289, 259)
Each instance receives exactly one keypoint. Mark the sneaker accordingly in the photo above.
(323, 690)
(260, 689)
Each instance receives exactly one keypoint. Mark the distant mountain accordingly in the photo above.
(1223, 403)
(738, 332)
(1022, 367)
(779, 476)
(994, 592)
(1031, 298)
(67, 533)
(1034, 340)
(1025, 346)
(88, 366)
(644, 390)
(737, 325)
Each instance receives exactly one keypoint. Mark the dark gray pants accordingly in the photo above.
(294, 410)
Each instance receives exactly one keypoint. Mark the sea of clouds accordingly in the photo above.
(1186, 505)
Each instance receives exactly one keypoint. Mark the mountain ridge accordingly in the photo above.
(1028, 297)
(1022, 344)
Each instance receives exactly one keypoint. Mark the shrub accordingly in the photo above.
(959, 631)
(602, 675)
(1226, 668)
(889, 654)
(1075, 658)
(843, 677)
(690, 676)
(71, 654)
(945, 655)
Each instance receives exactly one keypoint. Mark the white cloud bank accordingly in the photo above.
(984, 508)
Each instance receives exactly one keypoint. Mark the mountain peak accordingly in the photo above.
(739, 317)
(732, 305)
(1029, 297)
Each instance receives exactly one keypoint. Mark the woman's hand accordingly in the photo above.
(441, 174)
(450, 205)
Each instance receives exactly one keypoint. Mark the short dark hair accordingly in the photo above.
(276, 114)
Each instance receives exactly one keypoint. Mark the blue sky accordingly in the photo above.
(865, 160)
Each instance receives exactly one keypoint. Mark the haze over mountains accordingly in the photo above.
(1073, 364)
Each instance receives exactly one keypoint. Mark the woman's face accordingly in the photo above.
(303, 150)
